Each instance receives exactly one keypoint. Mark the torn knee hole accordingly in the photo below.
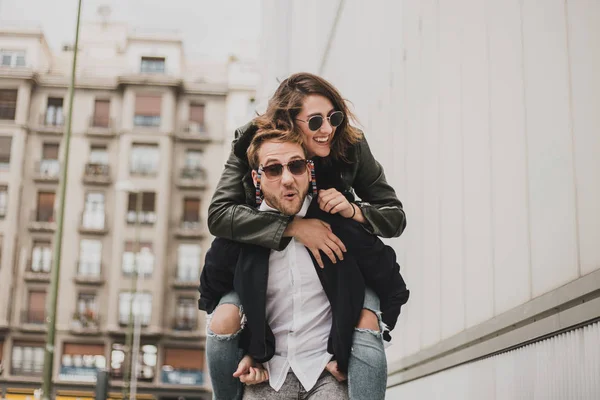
(226, 320)
(369, 321)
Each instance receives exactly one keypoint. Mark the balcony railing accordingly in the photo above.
(144, 217)
(186, 278)
(192, 177)
(38, 271)
(189, 229)
(101, 122)
(95, 173)
(124, 319)
(185, 324)
(193, 132)
(93, 223)
(42, 220)
(150, 121)
(87, 321)
(57, 120)
(47, 170)
(33, 317)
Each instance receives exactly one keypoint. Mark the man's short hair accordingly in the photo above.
(263, 135)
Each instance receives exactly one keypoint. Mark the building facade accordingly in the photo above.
(149, 135)
(485, 117)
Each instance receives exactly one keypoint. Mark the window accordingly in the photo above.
(183, 366)
(144, 159)
(152, 65)
(8, 104)
(101, 118)
(12, 58)
(90, 257)
(3, 201)
(186, 314)
(45, 207)
(36, 313)
(196, 117)
(144, 259)
(147, 110)
(191, 212)
(54, 112)
(80, 362)
(41, 257)
(5, 144)
(49, 166)
(87, 310)
(188, 262)
(192, 165)
(93, 214)
(147, 214)
(146, 361)
(27, 359)
(142, 307)
(98, 155)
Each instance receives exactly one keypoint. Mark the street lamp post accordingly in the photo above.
(51, 306)
(130, 373)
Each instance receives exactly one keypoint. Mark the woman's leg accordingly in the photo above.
(223, 354)
(367, 368)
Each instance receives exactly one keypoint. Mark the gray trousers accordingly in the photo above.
(326, 388)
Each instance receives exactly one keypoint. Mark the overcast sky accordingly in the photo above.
(210, 28)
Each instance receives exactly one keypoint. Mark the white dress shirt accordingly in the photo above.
(298, 313)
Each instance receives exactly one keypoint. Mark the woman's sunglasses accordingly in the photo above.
(274, 171)
(316, 121)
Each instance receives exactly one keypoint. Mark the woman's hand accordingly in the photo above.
(250, 373)
(333, 202)
(332, 367)
(316, 235)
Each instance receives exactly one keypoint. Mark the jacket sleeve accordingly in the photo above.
(217, 275)
(379, 202)
(231, 218)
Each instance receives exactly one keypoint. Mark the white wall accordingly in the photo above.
(484, 114)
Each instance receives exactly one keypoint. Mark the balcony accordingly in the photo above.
(96, 174)
(146, 121)
(85, 323)
(189, 229)
(47, 171)
(185, 327)
(192, 178)
(185, 278)
(89, 274)
(101, 127)
(33, 320)
(54, 125)
(144, 217)
(42, 221)
(193, 132)
(38, 272)
(93, 223)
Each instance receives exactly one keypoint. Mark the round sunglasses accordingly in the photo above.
(274, 171)
(316, 121)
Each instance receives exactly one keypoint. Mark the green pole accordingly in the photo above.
(51, 306)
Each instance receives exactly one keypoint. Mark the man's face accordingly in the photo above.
(285, 193)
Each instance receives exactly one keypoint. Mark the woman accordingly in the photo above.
(343, 161)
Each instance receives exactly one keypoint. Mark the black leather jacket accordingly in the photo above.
(232, 213)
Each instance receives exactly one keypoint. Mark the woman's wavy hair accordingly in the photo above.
(286, 104)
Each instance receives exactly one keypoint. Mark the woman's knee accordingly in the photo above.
(368, 320)
(226, 320)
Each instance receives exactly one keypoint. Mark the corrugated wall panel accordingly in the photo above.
(564, 367)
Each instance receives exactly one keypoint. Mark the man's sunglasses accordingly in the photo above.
(274, 171)
(316, 121)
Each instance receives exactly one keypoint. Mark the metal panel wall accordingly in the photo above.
(566, 366)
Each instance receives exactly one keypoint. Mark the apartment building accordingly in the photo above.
(147, 126)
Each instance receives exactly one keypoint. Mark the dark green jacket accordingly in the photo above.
(232, 213)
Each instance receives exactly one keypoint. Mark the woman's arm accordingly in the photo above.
(380, 205)
(229, 217)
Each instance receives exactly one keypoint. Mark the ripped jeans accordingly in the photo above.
(367, 368)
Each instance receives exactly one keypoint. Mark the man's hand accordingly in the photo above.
(249, 373)
(316, 235)
(332, 367)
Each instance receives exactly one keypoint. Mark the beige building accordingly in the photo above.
(145, 122)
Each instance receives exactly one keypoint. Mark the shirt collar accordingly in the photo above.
(265, 207)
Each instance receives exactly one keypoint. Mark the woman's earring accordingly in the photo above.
(313, 179)
(258, 196)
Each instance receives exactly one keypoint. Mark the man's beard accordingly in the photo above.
(286, 207)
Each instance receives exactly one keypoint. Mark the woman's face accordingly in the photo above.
(318, 143)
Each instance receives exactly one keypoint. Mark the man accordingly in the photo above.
(298, 315)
